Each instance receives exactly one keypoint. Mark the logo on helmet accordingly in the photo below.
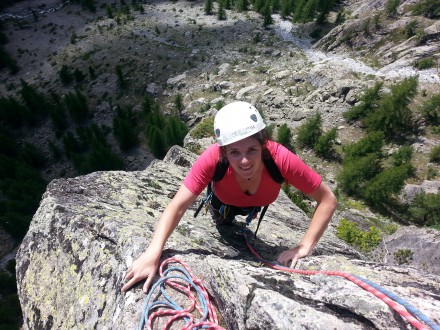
(242, 132)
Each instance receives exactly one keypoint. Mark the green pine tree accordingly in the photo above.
(77, 106)
(369, 102)
(34, 101)
(308, 12)
(425, 210)
(310, 131)
(147, 105)
(393, 117)
(157, 143)
(357, 172)
(370, 144)
(227, 4)
(12, 112)
(276, 6)
(284, 136)
(297, 11)
(58, 112)
(259, 5)
(125, 128)
(66, 75)
(221, 13)
(286, 8)
(267, 13)
(391, 7)
(208, 7)
(242, 5)
(324, 147)
(381, 189)
(178, 102)
(431, 110)
(122, 83)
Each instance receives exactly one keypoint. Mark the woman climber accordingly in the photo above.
(246, 184)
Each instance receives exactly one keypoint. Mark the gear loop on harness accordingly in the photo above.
(205, 202)
(211, 201)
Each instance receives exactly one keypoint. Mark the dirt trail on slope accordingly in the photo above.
(289, 32)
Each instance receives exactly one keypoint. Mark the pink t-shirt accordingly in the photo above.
(292, 168)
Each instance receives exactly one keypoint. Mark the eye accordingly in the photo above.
(234, 152)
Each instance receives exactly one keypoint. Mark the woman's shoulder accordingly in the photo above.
(212, 150)
(210, 155)
(280, 153)
(272, 145)
(276, 148)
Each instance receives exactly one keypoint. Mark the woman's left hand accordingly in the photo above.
(290, 257)
(321, 217)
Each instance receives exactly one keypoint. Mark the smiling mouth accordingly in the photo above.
(246, 168)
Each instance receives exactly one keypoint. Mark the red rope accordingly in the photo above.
(398, 308)
(212, 319)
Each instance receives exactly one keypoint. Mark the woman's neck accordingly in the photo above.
(249, 186)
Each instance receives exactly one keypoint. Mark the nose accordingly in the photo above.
(244, 160)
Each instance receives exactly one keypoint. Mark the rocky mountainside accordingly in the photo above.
(174, 48)
(171, 48)
(89, 229)
(393, 42)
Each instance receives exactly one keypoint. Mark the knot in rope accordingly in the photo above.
(182, 280)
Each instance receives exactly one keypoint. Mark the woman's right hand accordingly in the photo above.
(146, 265)
(143, 267)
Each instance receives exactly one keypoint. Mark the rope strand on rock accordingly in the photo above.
(383, 294)
(169, 307)
(209, 319)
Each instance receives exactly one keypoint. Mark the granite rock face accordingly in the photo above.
(89, 229)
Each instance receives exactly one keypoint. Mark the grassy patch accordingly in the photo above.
(203, 129)
(360, 239)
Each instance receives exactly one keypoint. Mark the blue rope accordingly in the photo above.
(404, 303)
(200, 295)
(169, 301)
(413, 310)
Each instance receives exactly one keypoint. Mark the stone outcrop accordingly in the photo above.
(414, 247)
(372, 39)
(410, 191)
(89, 229)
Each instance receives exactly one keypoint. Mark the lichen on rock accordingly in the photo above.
(89, 229)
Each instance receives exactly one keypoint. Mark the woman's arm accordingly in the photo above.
(323, 213)
(146, 265)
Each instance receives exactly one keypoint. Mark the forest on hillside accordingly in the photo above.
(85, 143)
(388, 115)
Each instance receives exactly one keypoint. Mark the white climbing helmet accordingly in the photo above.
(236, 121)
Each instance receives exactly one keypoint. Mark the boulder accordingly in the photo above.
(413, 247)
(89, 229)
(177, 79)
(410, 191)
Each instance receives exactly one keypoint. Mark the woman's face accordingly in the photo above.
(245, 157)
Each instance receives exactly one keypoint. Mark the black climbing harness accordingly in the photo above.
(229, 211)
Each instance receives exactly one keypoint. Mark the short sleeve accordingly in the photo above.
(202, 171)
(293, 169)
